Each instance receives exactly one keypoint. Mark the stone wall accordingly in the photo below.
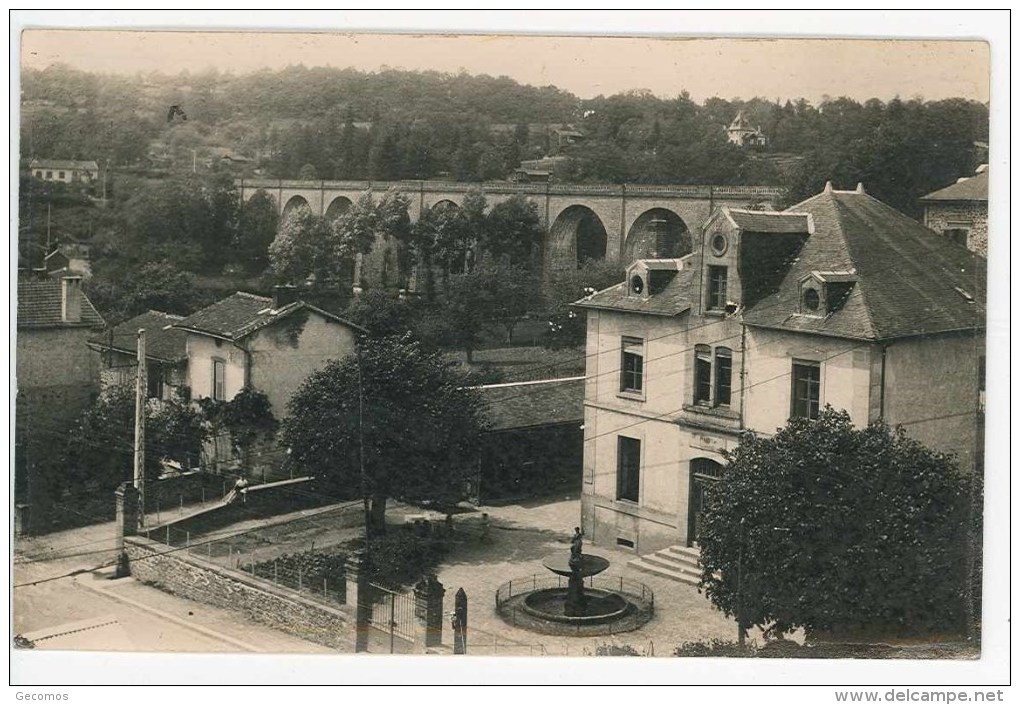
(943, 215)
(196, 579)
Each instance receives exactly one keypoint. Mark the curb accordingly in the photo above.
(168, 617)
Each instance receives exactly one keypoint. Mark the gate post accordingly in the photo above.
(359, 594)
(127, 523)
(428, 609)
(460, 622)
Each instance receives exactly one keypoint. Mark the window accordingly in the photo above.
(632, 365)
(60, 175)
(219, 380)
(155, 381)
(807, 379)
(811, 299)
(716, 288)
(628, 468)
(957, 235)
(38, 174)
(49, 174)
(703, 375)
(723, 376)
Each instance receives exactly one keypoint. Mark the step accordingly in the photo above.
(693, 554)
(670, 564)
(678, 559)
(645, 567)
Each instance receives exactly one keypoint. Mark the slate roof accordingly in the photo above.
(768, 221)
(62, 164)
(39, 305)
(674, 299)
(241, 314)
(531, 404)
(909, 282)
(162, 342)
(973, 189)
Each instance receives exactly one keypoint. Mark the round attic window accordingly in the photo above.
(637, 284)
(719, 244)
(811, 299)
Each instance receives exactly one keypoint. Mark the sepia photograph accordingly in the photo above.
(521, 345)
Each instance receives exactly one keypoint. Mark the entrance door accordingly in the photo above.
(704, 471)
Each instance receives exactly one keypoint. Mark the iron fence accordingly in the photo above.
(393, 613)
(531, 583)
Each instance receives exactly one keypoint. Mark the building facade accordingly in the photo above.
(56, 373)
(839, 300)
(67, 171)
(166, 356)
(960, 212)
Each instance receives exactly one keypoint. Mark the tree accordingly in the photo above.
(397, 410)
(513, 231)
(826, 526)
(308, 173)
(259, 223)
(512, 292)
(567, 327)
(160, 286)
(301, 247)
(99, 448)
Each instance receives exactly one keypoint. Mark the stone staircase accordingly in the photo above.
(679, 563)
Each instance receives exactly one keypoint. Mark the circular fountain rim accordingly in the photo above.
(585, 619)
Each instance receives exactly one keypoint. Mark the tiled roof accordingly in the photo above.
(673, 300)
(39, 304)
(241, 314)
(62, 164)
(769, 222)
(533, 404)
(973, 189)
(161, 341)
(909, 281)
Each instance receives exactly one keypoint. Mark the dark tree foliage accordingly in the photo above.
(99, 448)
(397, 408)
(513, 232)
(256, 232)
(159, 286)
(247, 417)
(567, 327)
(825, 526)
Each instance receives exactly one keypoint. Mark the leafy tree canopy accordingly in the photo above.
(826, 526)
(399, 408)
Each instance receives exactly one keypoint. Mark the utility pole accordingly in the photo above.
(141, 387)
(361, 448)
(741, 632)
(49, 207)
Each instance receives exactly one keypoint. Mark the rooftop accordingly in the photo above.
(769, 221)
(242, 314)
(63, 164)
(974, 188)
(162, 341)
(538, 403)
(40, 304)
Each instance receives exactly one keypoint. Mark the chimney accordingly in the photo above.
(70, 299)
(283, 295)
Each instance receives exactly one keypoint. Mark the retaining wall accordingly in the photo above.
(194, 578)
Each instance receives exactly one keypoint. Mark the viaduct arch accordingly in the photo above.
(637, 220)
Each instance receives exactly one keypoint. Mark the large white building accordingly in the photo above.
(838, 300)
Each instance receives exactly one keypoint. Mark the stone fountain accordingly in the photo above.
(584, 605)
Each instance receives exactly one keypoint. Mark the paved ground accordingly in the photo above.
(520, 538)
(147, 619)
(521, 535)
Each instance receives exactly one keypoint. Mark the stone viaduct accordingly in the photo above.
(617, 222)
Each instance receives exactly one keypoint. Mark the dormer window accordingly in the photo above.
(825, 292)
(719, 243)
(717, 278)
(810, 300)
(637, 284)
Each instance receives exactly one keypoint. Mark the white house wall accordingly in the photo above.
(845, 376)
(201, 352)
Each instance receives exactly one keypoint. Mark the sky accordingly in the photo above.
(584, 65)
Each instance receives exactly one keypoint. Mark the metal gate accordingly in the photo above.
(393, 614)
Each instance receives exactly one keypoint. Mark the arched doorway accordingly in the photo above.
(337, 207)
(577, 235)
(703, 472)
(294, 203)
(658, 233)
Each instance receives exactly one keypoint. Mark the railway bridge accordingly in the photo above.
(616, 222)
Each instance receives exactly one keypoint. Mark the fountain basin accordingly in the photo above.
(590, 564)
(601, 606)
